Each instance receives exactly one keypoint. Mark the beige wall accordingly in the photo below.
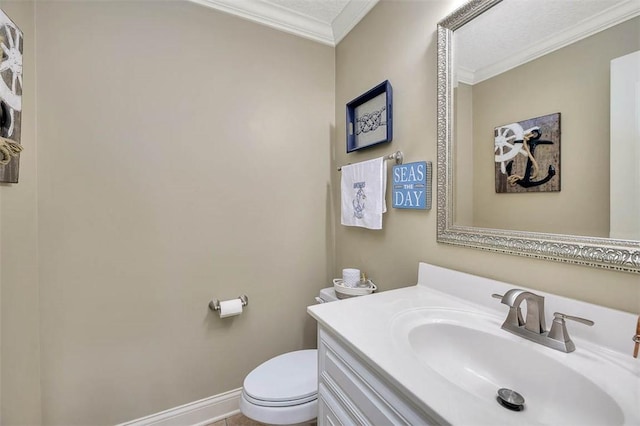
(463, 166)
(397, 41)
(20, 353)
(573, 81)
(184, 154)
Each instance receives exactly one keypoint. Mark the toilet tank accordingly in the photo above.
(327, 295)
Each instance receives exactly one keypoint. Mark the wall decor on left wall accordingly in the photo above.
(11, 43)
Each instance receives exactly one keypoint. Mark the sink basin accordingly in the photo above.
(473, 354)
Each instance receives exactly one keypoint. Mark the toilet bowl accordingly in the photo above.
(284, 389)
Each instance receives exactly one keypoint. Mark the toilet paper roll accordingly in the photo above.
(229, 308)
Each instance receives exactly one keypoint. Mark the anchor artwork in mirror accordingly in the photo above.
(527, 155)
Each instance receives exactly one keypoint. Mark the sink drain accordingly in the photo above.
(510, 399)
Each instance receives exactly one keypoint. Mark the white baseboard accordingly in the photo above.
(197, 413)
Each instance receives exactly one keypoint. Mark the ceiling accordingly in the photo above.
(324, 21)
(515, 32)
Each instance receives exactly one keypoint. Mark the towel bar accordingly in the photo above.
(398, 156)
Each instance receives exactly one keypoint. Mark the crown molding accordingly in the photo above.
(607, 19)
(275, 17)
(353, 13)
(464, 75)
(292, 22)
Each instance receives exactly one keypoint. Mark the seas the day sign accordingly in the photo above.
(412, 186)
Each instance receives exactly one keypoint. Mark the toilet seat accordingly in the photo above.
(288, 379)
(283, 390)
(287, 403)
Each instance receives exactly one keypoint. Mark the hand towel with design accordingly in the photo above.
(363, 191)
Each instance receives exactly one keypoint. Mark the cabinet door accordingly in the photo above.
(352, 386)
(330, 412)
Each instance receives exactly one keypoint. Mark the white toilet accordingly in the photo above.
(284, 389)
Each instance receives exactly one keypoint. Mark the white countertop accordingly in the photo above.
(368, 325)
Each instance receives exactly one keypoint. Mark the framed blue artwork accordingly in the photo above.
(370, 118)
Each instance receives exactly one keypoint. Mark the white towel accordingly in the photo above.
(363, 189)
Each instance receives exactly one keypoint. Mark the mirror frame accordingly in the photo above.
(620, 255)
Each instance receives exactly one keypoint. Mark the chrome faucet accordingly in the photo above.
(535, 309)
(533, 328)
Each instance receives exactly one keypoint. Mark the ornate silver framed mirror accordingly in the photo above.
(506, 61)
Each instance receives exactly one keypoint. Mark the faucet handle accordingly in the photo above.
(562, 316)
(559, 332)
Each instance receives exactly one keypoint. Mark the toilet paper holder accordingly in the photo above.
(214, 305)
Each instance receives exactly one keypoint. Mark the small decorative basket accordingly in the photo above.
(361, 289)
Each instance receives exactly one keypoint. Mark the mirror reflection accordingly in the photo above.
(554, 87)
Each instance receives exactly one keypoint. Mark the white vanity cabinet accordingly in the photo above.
(352, 393)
